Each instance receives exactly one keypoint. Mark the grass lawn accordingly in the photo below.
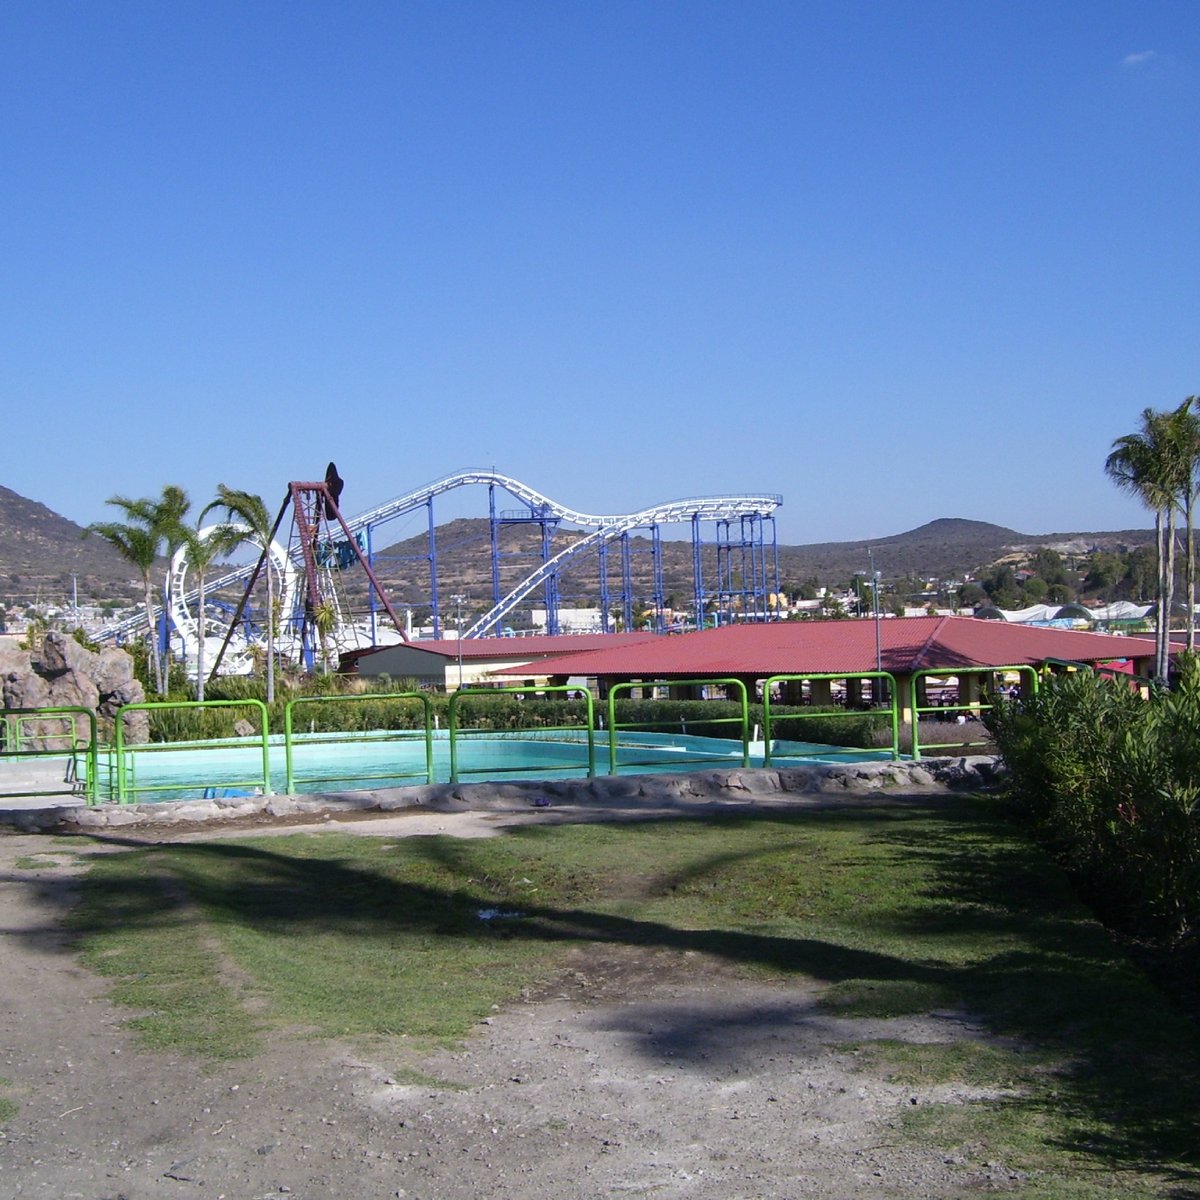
(891, 910)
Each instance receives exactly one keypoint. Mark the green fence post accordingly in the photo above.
(1021, 669)
(123, 789)
(289, 725)
(589, 727)
(614, 726)
(452, 733)
(290, 775)
(882, 676)
(12, 733)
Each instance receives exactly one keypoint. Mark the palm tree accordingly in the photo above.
(1185, 422)
(205, 547)
(149, 523)
(139, 548)
(1154, 466)
(137, 541)
(248, 509)
(324, 620)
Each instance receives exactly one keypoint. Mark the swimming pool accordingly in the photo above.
(364, 762)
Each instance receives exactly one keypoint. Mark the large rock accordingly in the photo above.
(63, 674)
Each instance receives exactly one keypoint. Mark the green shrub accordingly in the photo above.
(1111, 782)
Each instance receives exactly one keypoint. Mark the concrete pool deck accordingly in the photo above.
(614, 796)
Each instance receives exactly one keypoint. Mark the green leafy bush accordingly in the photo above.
(1111, 781)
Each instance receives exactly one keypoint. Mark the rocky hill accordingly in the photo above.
(40, 551)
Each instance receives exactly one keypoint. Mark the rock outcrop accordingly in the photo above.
(63, 674)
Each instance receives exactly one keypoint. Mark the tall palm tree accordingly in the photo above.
(248, 509)
(149, 524)
(137, 543)
(1185, 422)
(1153, 465)
(205, 547)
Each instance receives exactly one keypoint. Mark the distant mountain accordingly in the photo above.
(943, 548)
(40, 551)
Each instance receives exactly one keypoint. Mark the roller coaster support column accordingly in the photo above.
(774, 555)
(550, 591)
(656, 561)
(605, 599)
(627, 581)
(431, 542)
(494, 529)
(755, 602)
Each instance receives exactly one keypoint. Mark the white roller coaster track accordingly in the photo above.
(187, 623)
(603, 527)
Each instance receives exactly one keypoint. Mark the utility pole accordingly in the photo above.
(458, 599)
(875, 610)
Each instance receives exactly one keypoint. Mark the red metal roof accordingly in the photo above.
(907, 644)
(539, 646)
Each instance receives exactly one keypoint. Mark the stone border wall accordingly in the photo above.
(694, 789)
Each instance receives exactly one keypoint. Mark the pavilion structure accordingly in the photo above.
(908, 648)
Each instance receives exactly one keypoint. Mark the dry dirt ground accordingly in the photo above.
(653, 1075)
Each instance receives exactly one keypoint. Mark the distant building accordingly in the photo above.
(570, 620)
(475, 662)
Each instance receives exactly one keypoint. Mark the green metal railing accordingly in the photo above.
(1143, 683)
(126, 757)
(357, 739)
(892, 711)
(615, 726)
(455, 734)
(16, 729)
(1025, 671)
(86, 774)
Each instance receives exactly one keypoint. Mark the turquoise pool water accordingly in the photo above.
(385, 760)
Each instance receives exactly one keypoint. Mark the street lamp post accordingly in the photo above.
(875, 610)
(458, 602)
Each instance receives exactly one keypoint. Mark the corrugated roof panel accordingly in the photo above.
(539, 646)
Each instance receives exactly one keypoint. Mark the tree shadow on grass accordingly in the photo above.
(1131, 1073)
(1045, 974)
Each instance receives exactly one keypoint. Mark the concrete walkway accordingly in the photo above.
(37, 783)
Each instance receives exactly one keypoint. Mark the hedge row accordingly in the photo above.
(701, 718)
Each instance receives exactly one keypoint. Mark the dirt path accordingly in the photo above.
(639, 1075)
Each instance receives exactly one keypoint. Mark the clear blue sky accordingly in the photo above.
(893, 261)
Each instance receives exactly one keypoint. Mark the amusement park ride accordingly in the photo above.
(734, 572)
